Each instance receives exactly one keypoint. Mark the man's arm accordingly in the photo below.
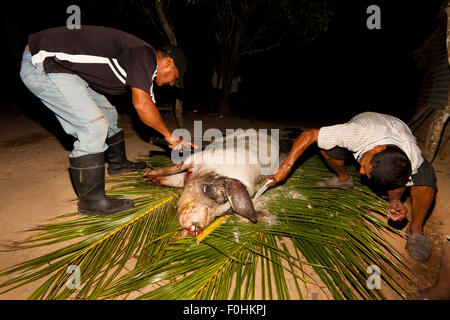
(149, 113)
(302, 142)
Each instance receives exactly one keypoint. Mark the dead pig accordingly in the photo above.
(221, 178)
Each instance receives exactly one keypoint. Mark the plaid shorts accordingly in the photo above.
(425, 175)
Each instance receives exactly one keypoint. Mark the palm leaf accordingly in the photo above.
(319, 232)
(105, 246)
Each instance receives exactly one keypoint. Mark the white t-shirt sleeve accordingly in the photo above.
(368, 129)
(345, 135)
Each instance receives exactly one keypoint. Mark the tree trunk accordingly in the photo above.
(179, 112)
(224, 102)
(233, 27)
(173, 41)
(165, 23)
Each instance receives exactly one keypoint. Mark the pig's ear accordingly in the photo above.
(240, 200)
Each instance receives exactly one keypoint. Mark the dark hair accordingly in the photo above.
(391, 167)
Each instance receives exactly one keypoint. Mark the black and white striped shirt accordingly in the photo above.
(109, 60)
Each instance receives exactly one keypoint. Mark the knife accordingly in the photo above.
(262, 190)
(160, 142)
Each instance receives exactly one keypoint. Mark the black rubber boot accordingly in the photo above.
(88, 176)
(116, 156)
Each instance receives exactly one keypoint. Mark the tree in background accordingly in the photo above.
(246, 27)
(239, 27)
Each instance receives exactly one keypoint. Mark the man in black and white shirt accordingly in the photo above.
(388, 155)
(70, 71)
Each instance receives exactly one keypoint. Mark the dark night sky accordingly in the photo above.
(349, 69)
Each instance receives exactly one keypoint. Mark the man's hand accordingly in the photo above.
(396, 210)
(177, 143)
(302, 142)
(280, 175)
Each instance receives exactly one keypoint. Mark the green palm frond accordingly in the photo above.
(105, 245)
(313, 233)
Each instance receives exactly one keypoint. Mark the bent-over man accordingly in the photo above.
(388, 155)
(71, 71)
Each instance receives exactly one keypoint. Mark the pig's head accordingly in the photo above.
(208, 196)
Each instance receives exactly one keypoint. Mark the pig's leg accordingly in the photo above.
(165, 171)
(174, 180)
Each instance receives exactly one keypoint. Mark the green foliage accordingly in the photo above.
(335, 233)
(309, 19)
(268, 20)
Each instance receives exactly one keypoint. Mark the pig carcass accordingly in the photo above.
(221, 178)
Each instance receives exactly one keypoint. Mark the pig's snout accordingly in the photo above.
(194, 229)
(193, 217)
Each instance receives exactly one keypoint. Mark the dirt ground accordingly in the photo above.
(35, 186)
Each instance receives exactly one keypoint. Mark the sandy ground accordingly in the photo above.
(35, 186)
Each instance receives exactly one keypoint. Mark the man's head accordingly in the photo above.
(386, 165)
(167, 71)
(172, 65)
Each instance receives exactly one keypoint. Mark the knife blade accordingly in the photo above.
(262, 190)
